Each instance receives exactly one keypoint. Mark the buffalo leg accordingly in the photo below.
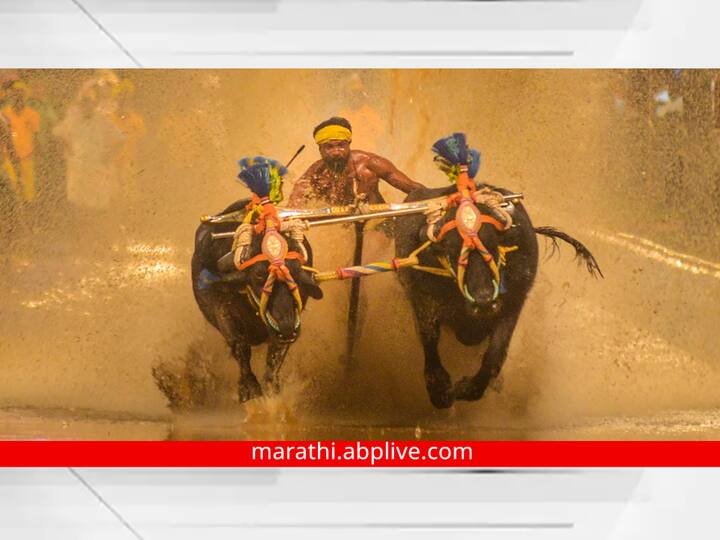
(437, 379)
(473, 388)
(248, 385)
(276, 354)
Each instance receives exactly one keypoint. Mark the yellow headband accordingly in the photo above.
(333, 133)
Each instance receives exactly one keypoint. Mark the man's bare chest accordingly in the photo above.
(358, 179)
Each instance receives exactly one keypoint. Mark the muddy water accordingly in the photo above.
(92, 303)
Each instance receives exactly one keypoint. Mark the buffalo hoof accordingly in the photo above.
(497, 383)
(249, 388)
(440, 389)
(471, 388)
(272, 387)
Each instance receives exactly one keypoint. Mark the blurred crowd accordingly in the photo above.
(677, 135)
(76, 156)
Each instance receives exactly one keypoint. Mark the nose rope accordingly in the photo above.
(471, 241)
(278, 272)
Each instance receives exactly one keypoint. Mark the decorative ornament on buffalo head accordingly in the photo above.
(258, 174)
(468, 218)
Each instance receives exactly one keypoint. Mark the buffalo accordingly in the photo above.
(230, 301)
(483, 306)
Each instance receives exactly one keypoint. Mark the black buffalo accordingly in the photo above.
(437, 300)
(223, 298)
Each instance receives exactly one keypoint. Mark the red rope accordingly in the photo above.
(294, 255)
(268, 212)
(465, 187)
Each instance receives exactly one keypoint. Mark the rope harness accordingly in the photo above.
(274, 249)
(262, 218)
(468, 221)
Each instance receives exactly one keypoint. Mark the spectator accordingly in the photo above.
(48, 153)
(92, 143)
(24, 123)
(8, 160)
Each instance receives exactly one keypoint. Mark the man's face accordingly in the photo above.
(335, 154)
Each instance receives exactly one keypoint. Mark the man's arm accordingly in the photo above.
(302, 189)
(385, 169)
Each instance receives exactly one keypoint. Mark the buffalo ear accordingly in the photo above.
(309, 286)
(314, 291)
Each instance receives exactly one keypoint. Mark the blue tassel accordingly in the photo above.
(257, 179)
(474, 165)
(247, 162)
(261, 175)
(452, 148)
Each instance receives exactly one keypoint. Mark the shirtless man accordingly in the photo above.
(344, 176)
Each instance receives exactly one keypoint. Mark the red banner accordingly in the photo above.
(359, 454)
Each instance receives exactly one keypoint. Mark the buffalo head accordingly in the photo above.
(468, 242)
(278, 289)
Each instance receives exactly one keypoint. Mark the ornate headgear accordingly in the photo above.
(263, 176)
(451, 152)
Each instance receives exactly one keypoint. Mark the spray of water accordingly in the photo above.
(97, 310)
